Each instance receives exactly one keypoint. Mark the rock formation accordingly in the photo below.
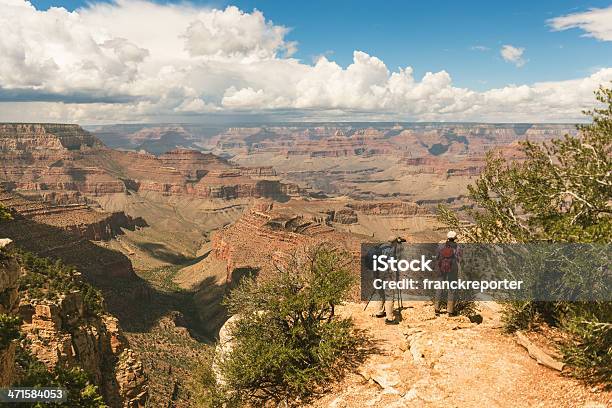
(9, 301)
(56, 159)
(66, 237)
(60, 331)
(79, 219)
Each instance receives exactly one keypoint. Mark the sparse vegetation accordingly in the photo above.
(9, 329)
(562, 192)
(287, 344)
(81, 392)
(48, 279)
(163, 277)
(5, 214)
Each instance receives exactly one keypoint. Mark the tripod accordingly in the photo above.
(397, 293)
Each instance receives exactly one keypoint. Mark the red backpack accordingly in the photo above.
(446, 262)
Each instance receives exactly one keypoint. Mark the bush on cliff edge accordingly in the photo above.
(287, 344)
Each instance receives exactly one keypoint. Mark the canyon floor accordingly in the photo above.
(451, 362)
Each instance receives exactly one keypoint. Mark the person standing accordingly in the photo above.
(385, 304)
(449, 256)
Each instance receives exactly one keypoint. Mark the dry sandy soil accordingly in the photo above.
(450, 362)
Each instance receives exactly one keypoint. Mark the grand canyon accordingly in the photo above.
(195, 195)
(165, 219)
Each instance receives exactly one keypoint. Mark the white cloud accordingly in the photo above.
(597, 23)
(135, 60)
(232, 32)
(513, 54)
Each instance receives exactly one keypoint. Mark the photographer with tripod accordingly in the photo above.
(384, 304)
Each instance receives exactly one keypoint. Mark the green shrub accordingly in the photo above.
(561, 192)
(9, 329)
(288, 344)
(589, 350)
(5, 214)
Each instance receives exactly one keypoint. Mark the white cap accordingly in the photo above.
(451, 235)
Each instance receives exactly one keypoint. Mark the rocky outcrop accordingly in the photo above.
(43, 136)
(265, 237)
(78, 219)
(262, 171)
(49, 157)
(388, 208)
(191, 163)
(107, 227)
(9, 300)
(99, 265)
(270, 233)
(61, 333)
(343, 216)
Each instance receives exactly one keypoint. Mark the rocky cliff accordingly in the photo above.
(388, 208)
(270, 232)
(66, 162)
(264, 237)
(44, 136)
(9, 301)
(64, 325)
(65, 239)
(79, 219)
(61, 333)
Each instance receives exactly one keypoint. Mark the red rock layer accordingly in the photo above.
(268, 234)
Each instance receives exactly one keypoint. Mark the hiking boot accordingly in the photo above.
(391, 322)
(380, 314)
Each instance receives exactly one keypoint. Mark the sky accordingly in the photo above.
(140, 61)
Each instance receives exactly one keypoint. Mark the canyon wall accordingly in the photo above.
(78, 219)
(59, 331)
(68, 163)
(9, 302)
(65, 239)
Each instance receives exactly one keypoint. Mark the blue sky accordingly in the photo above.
(436, 35)
(193, 61)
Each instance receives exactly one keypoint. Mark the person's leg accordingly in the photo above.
(389, 309)
(439, 294)
(450, 304)
(379, 303)
(390, 316)
(437, 300)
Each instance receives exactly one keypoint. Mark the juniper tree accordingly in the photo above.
(560, 192)
(287, 343)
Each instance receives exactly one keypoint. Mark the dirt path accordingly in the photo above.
(450, 362)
